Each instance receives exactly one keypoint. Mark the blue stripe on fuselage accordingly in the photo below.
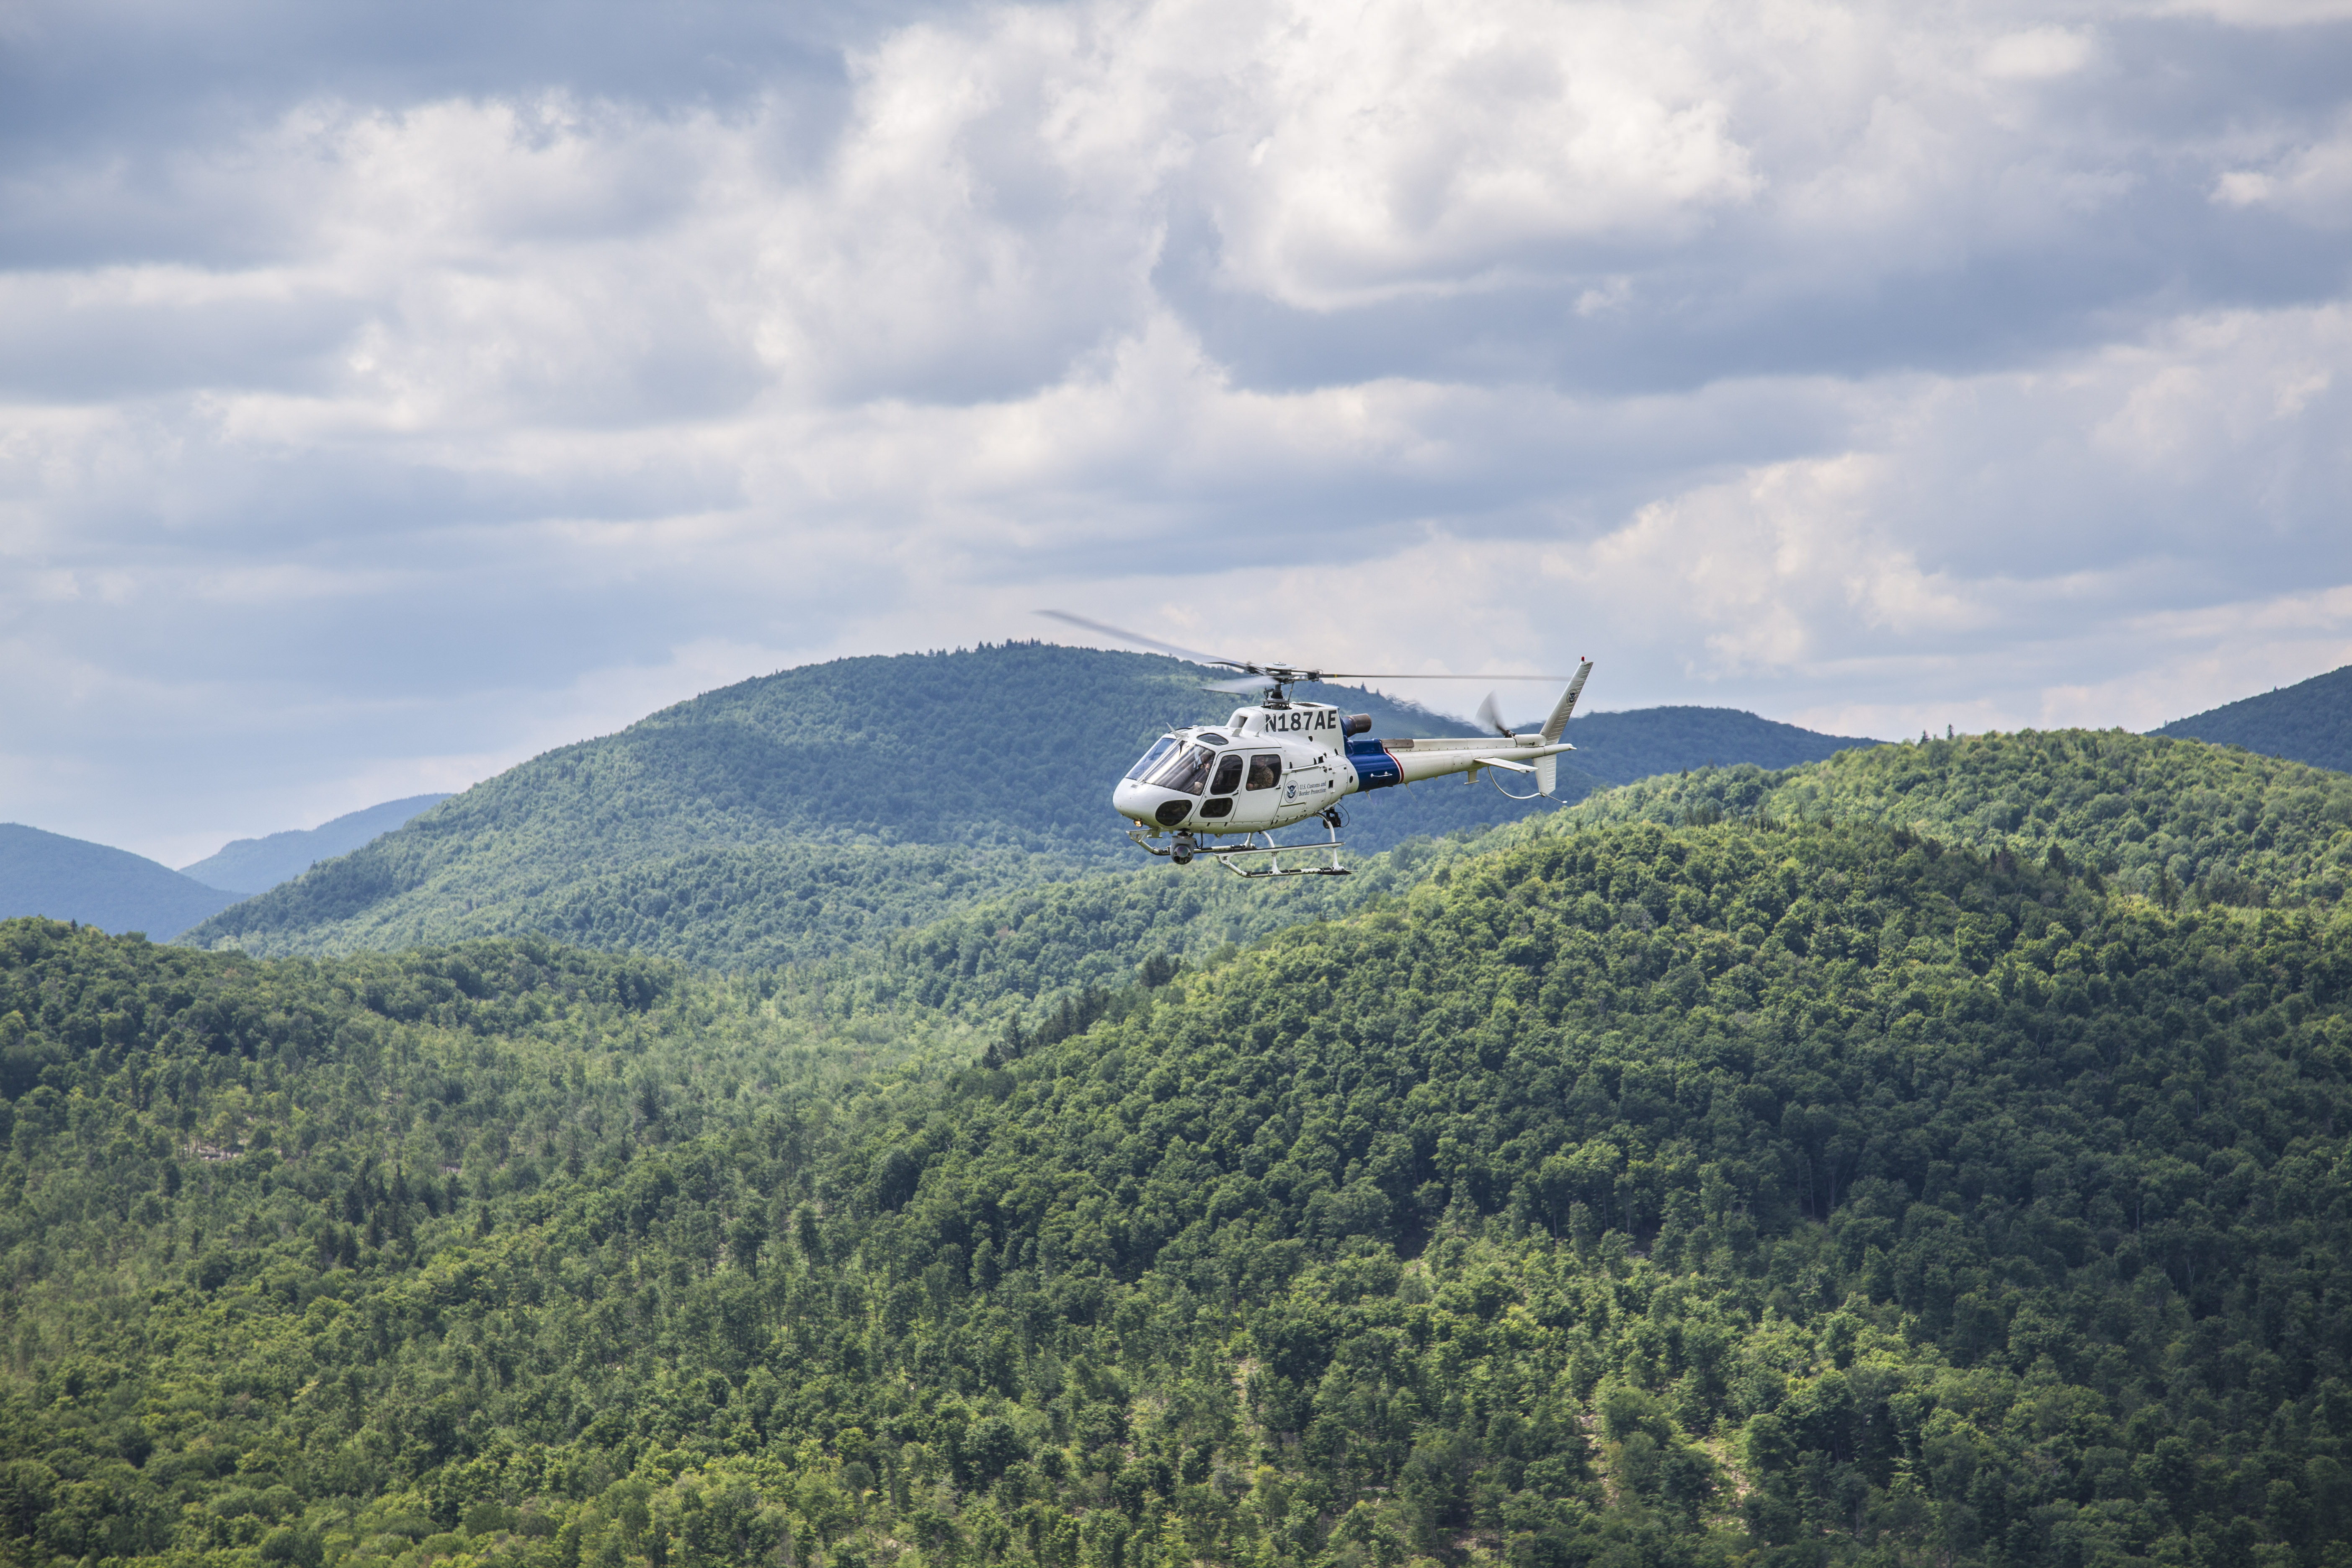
(1375, 769)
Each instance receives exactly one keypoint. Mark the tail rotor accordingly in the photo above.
(1491, 716)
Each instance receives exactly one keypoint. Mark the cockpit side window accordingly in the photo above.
(1265, 770)
(1188, 770)
(1229, 775)
(1159, 748)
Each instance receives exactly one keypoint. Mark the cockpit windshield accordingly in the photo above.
(1159, 748)
(1188, 770)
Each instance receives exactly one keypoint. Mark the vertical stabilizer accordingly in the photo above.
(1557, 722)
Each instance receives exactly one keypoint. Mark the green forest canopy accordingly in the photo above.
(1635, 1191)
(2171, 819)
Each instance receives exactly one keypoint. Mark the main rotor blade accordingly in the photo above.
(1361, 675)
(1302, 672)
(1125, 635)
(1247, 684)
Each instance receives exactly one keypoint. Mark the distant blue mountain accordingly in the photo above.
(73, 879)
(257, 865)
(2310, 721)
(1617, 748)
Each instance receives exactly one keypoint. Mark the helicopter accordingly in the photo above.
(1284, 760)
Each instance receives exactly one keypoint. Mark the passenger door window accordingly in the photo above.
(1265, 770)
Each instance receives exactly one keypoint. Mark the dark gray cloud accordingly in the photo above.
(127, 75)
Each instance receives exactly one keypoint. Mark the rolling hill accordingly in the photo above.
(255, 865)
(73, 879)
(2310, 721)
(794, 815)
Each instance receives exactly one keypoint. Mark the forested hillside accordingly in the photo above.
(797, 815)
(2177, 820)
(2310, 721)
(1633, 1194)
(2212, 810)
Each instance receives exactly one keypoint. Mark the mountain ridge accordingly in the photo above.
(249, 865)
(785, 818)
(1617, 747)
(2310, 721)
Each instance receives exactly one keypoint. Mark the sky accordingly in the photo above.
(391, 392)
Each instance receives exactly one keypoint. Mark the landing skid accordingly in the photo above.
(1251, 860)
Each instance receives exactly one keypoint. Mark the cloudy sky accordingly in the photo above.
(391, 391)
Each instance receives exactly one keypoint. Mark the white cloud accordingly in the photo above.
(2038, 54)
(1432, 147)
(1782, 567)
(2311, 182)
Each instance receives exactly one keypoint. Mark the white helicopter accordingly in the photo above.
(1282, 762)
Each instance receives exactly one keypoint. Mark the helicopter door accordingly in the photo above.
(1228, 779)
